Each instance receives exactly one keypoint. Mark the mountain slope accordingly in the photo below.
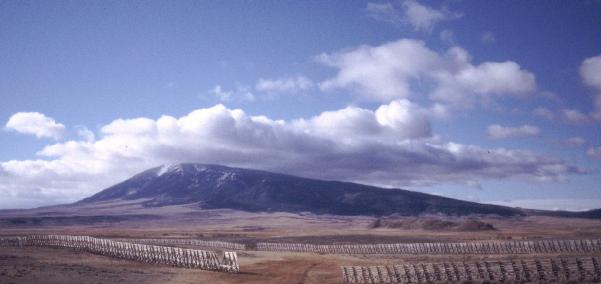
(590, 214)
(214, 186)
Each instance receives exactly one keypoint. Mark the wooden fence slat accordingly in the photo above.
(180, 257)
(512, 271)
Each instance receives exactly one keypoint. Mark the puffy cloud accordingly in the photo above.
(284, 85)
(496, 77)
(403, 117)
(35, 123)
(496, 131)
(594, 152)
(410, 12)
(85, 133)
(398, 120)
(382, 72)
(459, 82)
(397, 69)
(422, 17)
(390, 146)
(590, 70)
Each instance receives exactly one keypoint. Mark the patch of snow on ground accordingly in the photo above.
(176, 168)
(199, 168)
(224, 177)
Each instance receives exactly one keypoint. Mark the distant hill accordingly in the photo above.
(590, 214)
(214, 186)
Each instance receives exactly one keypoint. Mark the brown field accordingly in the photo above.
(46, 265)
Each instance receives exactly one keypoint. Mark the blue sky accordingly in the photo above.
(491, 101)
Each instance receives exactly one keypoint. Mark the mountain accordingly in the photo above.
(590, 214)
(214, 186)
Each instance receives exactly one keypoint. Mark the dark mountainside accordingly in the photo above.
(590, 214)
(214, 186)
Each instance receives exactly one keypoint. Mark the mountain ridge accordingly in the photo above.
(216, 186)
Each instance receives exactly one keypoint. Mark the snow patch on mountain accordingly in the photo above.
(200, 168)
(174, 168)
(224, 178)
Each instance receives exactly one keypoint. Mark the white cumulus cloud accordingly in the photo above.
(381, 72)
(422, 17)
(85, 133)
(401, 68)
(398, 120)
(590, 70)
(35, 123)
(391, 145)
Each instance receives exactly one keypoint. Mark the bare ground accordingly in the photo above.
(42, 265)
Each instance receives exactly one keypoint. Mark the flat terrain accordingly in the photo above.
(39, 265)
(44, 265)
